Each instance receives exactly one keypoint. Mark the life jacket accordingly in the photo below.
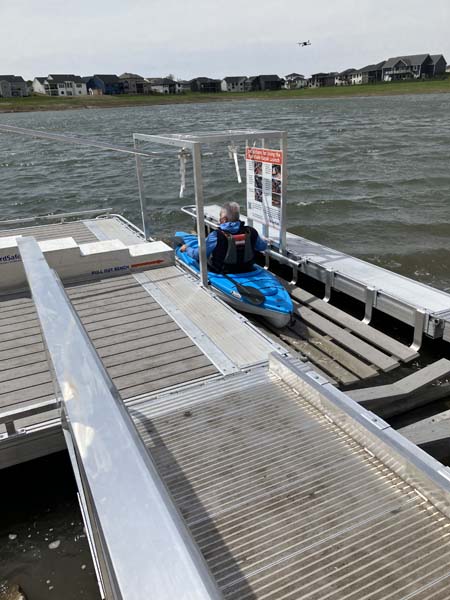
(234, 252)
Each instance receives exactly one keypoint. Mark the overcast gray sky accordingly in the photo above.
(214, 38)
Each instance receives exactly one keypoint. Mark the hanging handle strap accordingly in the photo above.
(183, 156)
(233, 153)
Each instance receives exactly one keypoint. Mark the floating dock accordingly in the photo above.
(260, 478)
(215, 458)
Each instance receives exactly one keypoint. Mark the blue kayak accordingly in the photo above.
(277, 307)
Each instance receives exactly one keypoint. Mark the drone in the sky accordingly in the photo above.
(302, 44)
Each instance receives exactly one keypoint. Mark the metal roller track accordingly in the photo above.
(284, 504)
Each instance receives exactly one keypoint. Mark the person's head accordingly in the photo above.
(229, 212)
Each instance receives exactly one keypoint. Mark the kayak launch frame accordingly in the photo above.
(194, 143)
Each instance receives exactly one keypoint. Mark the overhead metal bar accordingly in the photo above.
(187, 140)
(143, 547)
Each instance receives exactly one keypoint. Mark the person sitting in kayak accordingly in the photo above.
(232, 247)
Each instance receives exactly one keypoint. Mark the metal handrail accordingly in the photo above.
(144, 549)
(79, 213)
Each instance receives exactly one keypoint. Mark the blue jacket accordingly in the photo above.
(211, 240)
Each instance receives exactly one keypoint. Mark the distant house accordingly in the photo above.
(183, 86)
(205, 85)
(233, 84)
(252, 84)
(134, 84)
(344, 78)
(270, 82)
(13, 86)
(109, 85)
(439, 64)
(263, 83)
(38, 85)
(66, 85)
(295, 81)
(368, 74)
(417, 66)
(323, 79)
(162, 85)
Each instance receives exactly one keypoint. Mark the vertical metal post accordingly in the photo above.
(249, 220)
(200, 210)
(142, 199)
(284, 176)
(265, 225)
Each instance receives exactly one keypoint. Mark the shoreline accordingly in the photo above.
(46, 103)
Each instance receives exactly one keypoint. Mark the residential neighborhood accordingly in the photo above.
(397, 68)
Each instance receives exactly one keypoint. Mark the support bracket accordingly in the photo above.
(419, 327)
(371, 297)
(329, 278)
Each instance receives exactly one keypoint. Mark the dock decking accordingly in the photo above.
(140, 327)
(75, 229)
(141, 346)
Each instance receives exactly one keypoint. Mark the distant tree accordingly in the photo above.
(170, 76)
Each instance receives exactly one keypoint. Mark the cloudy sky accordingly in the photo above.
(214, 37)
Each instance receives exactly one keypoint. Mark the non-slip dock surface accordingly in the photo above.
(284, 505)
(75, 229)
(141, 346)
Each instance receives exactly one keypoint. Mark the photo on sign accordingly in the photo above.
(276, 186)
(276, 171)
(258, 182)
(258, 195)
(258, 168)
(276, 200)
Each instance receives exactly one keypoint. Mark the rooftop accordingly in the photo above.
(12, 78)
(410, 60)
(108, 78)
(63, 78)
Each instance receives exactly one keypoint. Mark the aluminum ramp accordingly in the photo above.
(285, 503)
(268, 483)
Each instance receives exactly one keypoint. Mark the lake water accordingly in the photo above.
(368, 176)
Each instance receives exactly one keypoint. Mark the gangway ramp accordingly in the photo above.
(263, 483)
(284, 502)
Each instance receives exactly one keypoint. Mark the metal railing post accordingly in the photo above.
(284, 176)
(142, 199)
(199, 205)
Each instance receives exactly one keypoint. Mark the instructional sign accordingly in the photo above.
(264, 189)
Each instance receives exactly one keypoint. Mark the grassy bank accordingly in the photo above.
(382, 89)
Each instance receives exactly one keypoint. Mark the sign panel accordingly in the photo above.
(264, 189)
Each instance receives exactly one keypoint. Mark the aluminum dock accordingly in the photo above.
(215, 459)
(251, 474)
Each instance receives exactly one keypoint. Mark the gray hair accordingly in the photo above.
(231, 211)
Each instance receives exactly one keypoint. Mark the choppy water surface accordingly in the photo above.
(369, 176)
